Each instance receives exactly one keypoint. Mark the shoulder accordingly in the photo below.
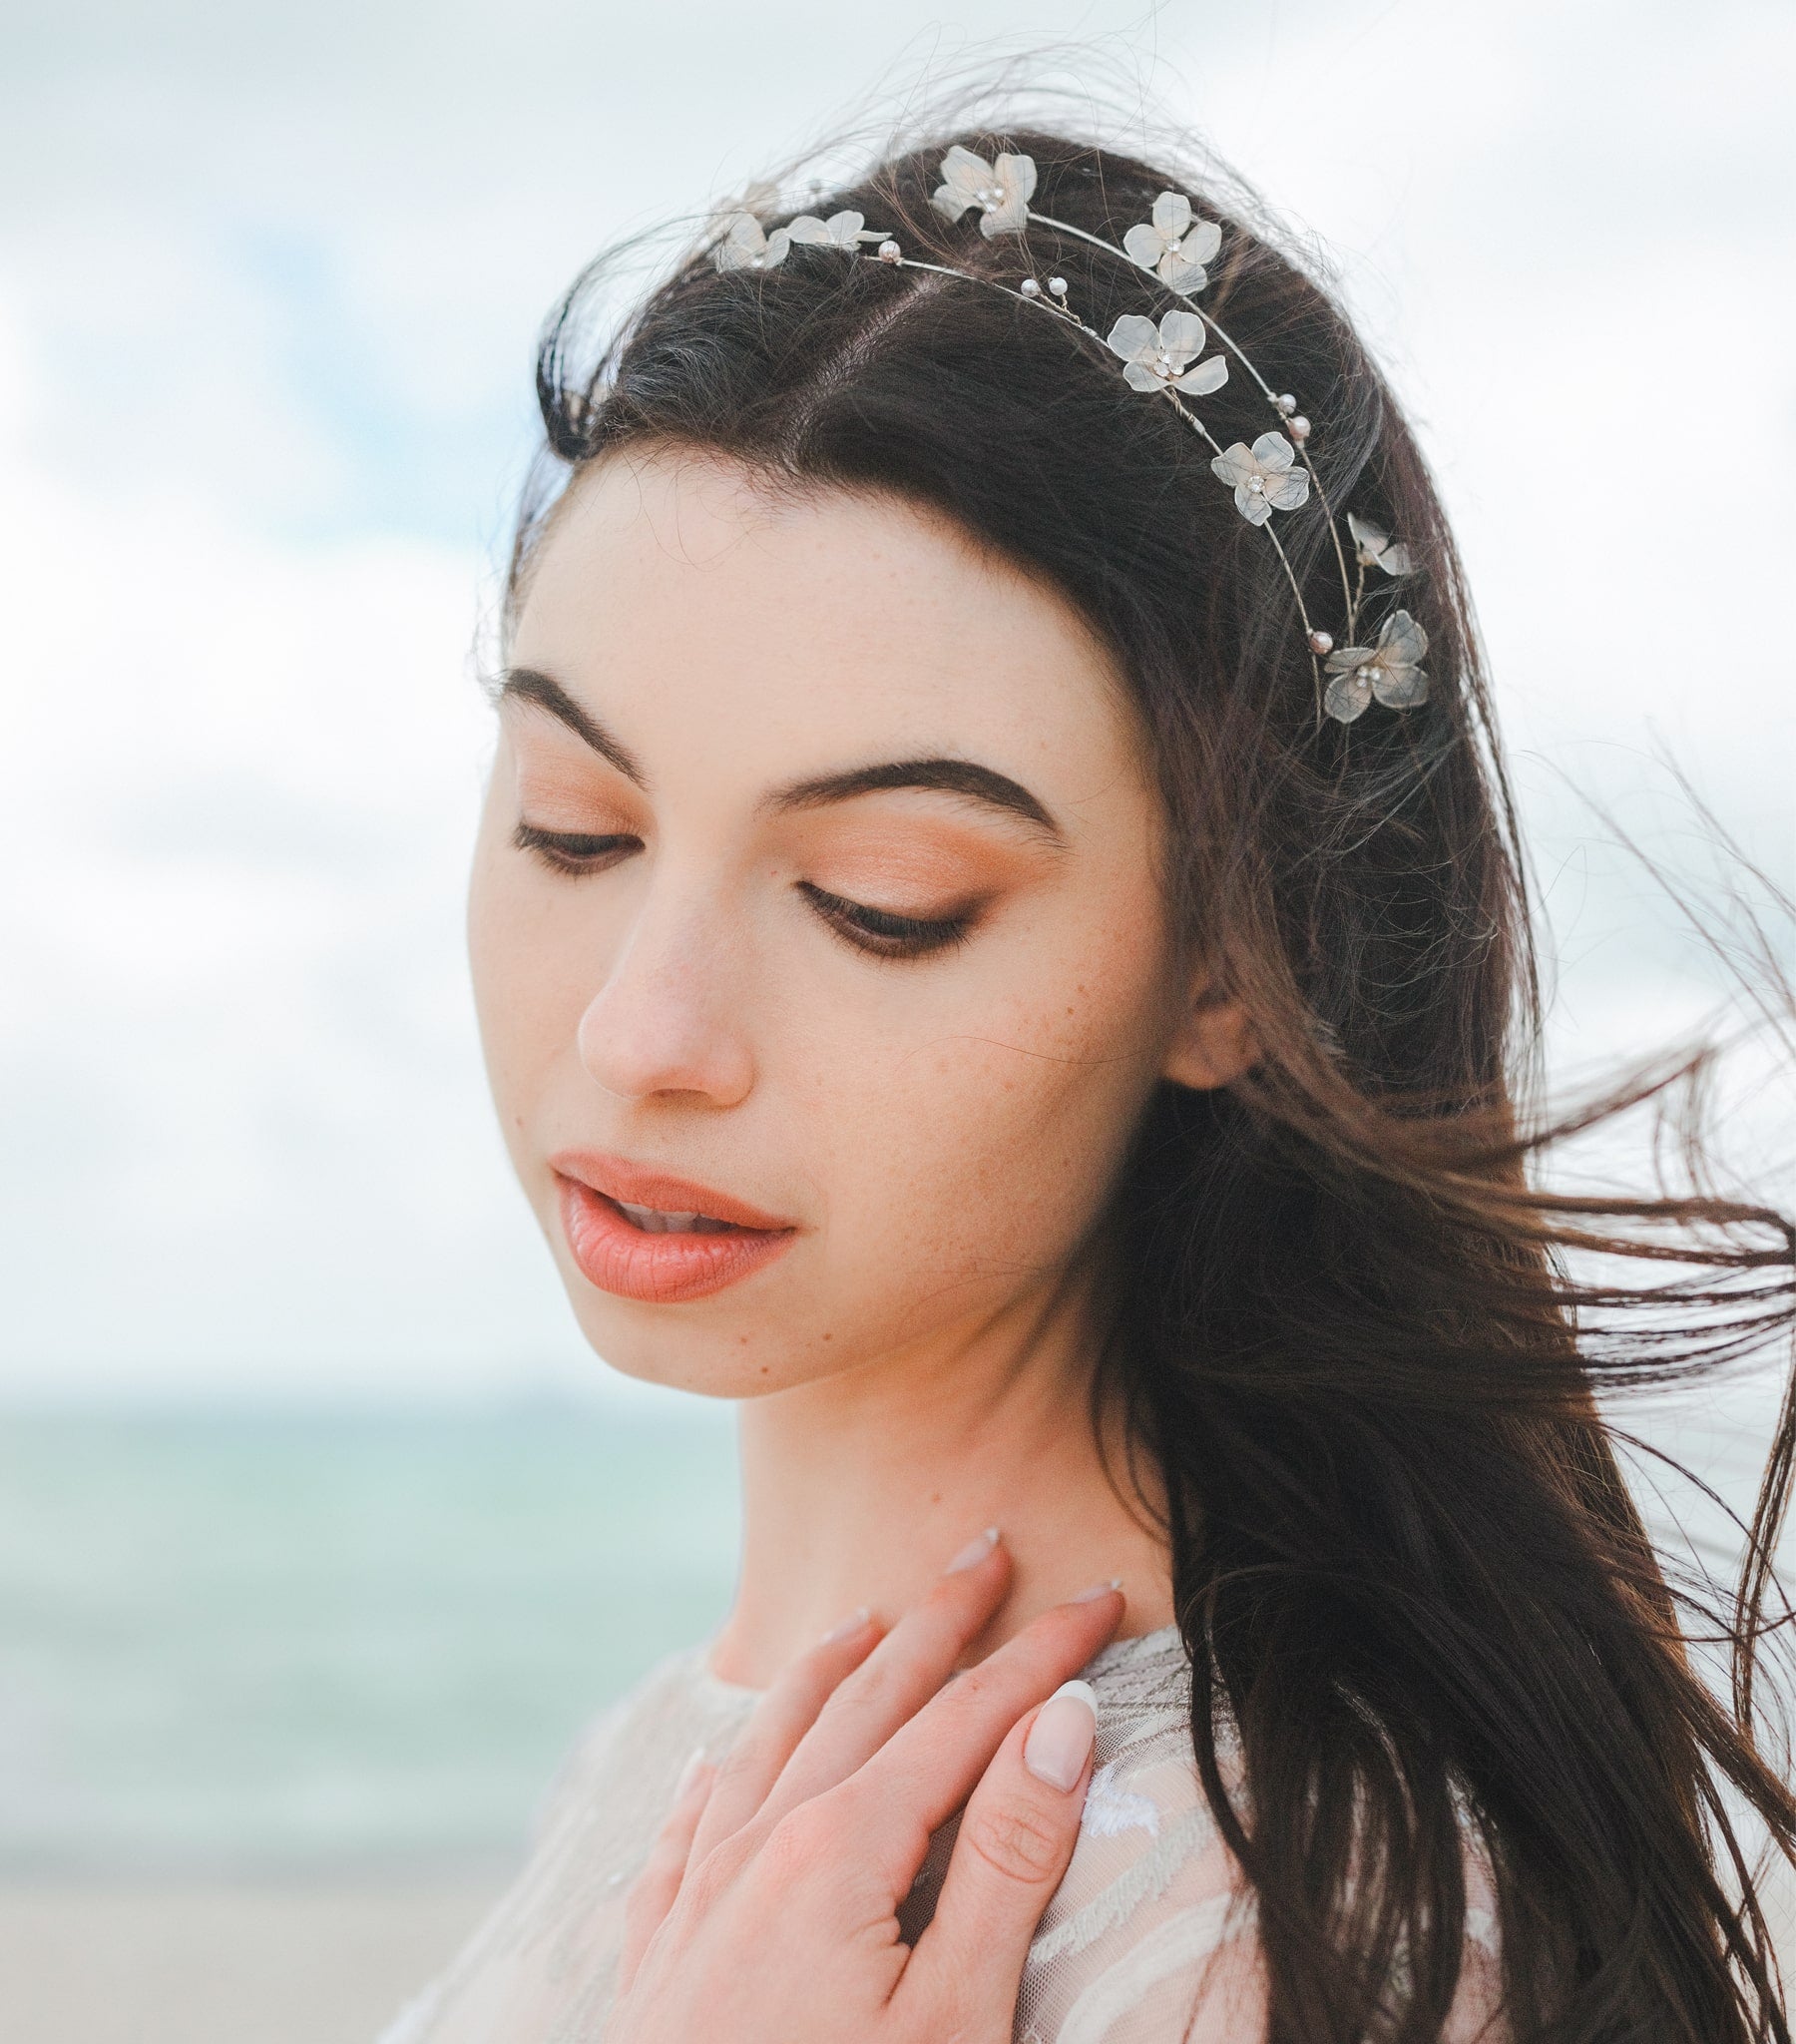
(1152, 1893)
(1153, 1934)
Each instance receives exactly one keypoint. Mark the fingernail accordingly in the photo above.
(689, 1773)
(847, 1629)
(1096, 1590)
(1059, 1739)
(974, 1552)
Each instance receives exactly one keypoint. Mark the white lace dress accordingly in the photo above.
(1149, 1938)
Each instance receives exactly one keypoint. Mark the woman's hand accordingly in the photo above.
(767, 1912)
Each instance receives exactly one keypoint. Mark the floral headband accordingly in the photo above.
(1163, 360)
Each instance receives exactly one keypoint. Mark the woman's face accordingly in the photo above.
(816, 894)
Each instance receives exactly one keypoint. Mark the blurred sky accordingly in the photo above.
(269, 278)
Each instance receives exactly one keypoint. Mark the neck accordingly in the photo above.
(858, 1488)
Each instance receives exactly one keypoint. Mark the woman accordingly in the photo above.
(999, 946)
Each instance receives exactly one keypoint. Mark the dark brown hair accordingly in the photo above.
(1351, 1337)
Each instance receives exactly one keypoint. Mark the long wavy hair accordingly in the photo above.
(1351, 1330)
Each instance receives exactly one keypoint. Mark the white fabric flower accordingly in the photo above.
(1391, 671)
(1001, 191)
(1159, 357)
(839, 230)
(760, 197)
(749, 246)
(1375, 548)
(1263, 477)
(1173, 245)
(1110, 1809)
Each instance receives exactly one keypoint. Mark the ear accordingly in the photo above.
(1213, 1042)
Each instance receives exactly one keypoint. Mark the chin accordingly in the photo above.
(726, 1357)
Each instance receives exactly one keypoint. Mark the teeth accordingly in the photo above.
(652, 1220)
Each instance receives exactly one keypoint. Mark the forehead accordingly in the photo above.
(672, 593)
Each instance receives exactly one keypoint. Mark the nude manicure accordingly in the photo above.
(974, 1552)
(848, 1626)
(1061, 1738)
(1096, 1590)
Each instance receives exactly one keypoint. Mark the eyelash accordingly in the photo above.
(876, 931)
(571, 851)
(879, 932)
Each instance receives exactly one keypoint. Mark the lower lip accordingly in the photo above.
(625, 1260)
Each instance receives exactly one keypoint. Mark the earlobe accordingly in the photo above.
(1214, 1045)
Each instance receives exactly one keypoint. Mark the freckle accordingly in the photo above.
(763, 1370)
(935, 1497)
(829, 1338)
(743, 1339)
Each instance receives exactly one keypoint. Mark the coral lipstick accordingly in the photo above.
(643, 1233)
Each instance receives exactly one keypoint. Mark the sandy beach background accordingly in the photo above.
(280, 1692)
(280, 1963)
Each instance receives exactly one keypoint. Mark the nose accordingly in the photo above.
(665, 1021)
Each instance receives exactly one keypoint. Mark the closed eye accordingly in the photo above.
(883, 933)
(573, 851)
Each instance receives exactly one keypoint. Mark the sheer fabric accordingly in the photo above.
(1149, 1938)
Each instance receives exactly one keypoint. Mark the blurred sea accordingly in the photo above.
(273, 1643)
(291, 1641)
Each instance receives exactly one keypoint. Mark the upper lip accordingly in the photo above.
(644, 1184)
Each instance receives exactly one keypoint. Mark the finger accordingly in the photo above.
(906, 1668)
(779, 1721)
(1009, 1854)
(930, 1767)
(656, 1889)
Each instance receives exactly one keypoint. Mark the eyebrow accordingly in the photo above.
(964, 777)
(942, 777)
(530, 685)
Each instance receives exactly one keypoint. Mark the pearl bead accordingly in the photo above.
(888, 252)
(1300, 428)
(1257, 485)
(1288, 404)
(1057, 285)
(1031, 289)
(1321, 642)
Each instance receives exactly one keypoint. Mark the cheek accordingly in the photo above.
(986, 1144)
